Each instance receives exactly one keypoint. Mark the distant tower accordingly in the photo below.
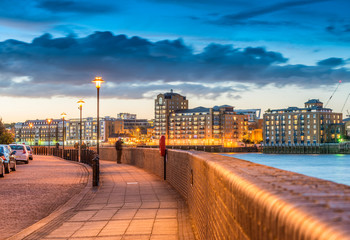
(313, 103)
(164, 105)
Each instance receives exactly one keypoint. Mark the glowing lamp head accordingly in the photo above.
(98, 81)
(63, 115)
(49, 120)
(80, 103)
(30, 125)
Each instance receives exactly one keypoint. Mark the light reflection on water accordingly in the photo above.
(333, 167)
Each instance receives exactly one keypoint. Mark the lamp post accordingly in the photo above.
(80, 106)
(30, 133)
(49, 120)
(98, 81)
(96, 163)
(63, 128)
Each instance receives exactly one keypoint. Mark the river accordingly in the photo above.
(333, 167)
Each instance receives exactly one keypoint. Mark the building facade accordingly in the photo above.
(165, 104)
(312, 124)
(219, 125)
(40, 132)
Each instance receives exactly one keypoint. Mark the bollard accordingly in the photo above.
(95, 170)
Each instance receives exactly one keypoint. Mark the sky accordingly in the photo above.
(248, 54)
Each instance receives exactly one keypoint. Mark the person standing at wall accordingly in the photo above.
(119, 148)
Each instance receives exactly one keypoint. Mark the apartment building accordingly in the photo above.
(219, 125)
(39, 132)
(165, 104)
(312, 124)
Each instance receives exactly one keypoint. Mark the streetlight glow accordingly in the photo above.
(80, 103)
(98, 81)
(63, 115)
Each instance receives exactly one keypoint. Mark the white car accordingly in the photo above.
(30, 152)
(21, 152)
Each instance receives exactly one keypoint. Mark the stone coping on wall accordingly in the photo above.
(306, 207)
(231, 198)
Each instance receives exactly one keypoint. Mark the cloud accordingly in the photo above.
(74, 6)
(242, 17)
(135, 66)
(48, 11)
(331, 62)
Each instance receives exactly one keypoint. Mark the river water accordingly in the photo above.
(333, 167)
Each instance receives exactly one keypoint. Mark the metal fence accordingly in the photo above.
(67, 154)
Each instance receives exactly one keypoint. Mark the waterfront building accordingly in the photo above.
(165, 104)
(312, 124)
(36, 132)
(219, 125)
(346, 122)
(89, 130)
(39, 132)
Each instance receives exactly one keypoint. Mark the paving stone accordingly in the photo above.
(129, 204)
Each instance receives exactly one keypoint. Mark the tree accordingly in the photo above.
(5, 136)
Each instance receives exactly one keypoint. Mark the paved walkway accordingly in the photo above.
(129, 204)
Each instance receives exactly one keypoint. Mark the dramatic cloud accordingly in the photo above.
(255, 12)
(135, 66)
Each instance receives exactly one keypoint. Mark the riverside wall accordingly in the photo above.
(230, 198)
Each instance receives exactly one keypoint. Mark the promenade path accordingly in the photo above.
(129, 204)
(35, 190)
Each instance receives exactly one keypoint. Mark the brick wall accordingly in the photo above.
(235, 199)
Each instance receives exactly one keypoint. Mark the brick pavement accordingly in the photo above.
(129, 204)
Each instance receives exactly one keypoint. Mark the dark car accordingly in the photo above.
(8, 157)
(2, 166)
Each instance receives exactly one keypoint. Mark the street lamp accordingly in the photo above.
(80, 106)
(96, 164)
(49, 120)
(98, 81)
(31, 126)
(63, 118)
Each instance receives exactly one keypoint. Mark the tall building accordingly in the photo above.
(312, 124)
(165, 104)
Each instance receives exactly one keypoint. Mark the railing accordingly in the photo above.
(67, 154)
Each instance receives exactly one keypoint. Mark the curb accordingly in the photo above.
(70, 204)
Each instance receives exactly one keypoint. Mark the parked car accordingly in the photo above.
(2, 166)
(9, 158)
(30, 152)
(21, 152)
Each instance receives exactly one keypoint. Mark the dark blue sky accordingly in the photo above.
(216, 50)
